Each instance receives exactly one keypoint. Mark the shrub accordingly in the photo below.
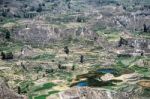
(6, 33)
(81, 19)
(7, 55)
(39, 9)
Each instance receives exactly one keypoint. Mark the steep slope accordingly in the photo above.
(6, 93)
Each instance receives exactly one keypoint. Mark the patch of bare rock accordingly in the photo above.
(6, 93)
(92, 93)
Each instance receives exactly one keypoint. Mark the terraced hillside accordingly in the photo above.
(74, 49)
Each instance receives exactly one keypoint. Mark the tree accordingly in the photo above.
(19, 90)
(81, 59)
(23, 66)
(69, 5)
(7, 35)
(73, 67)
(4, 14)
(43, 4)
(49, 71)
(66, 49)
(32, 8)
(59, 65)
(39, 8)
(145, 28)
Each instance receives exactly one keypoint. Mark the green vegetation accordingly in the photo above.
(97, 48)
(6, 33)
(45, 86)
(73, 40)
(44, 96)
(146, 92)
(37, 69)
(126, 60)
(10, 46)
(45, 56)
(61, 18)
(141, 70)
(35, 89)
(98, 27)
(25, 86)
(109, 34)
(8, 20)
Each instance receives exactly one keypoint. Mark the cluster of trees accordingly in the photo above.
(66, 50)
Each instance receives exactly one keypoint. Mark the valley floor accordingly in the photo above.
(42, 72)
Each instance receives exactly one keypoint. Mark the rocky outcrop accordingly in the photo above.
(6, 93)
(92, 93)
(42, 33)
